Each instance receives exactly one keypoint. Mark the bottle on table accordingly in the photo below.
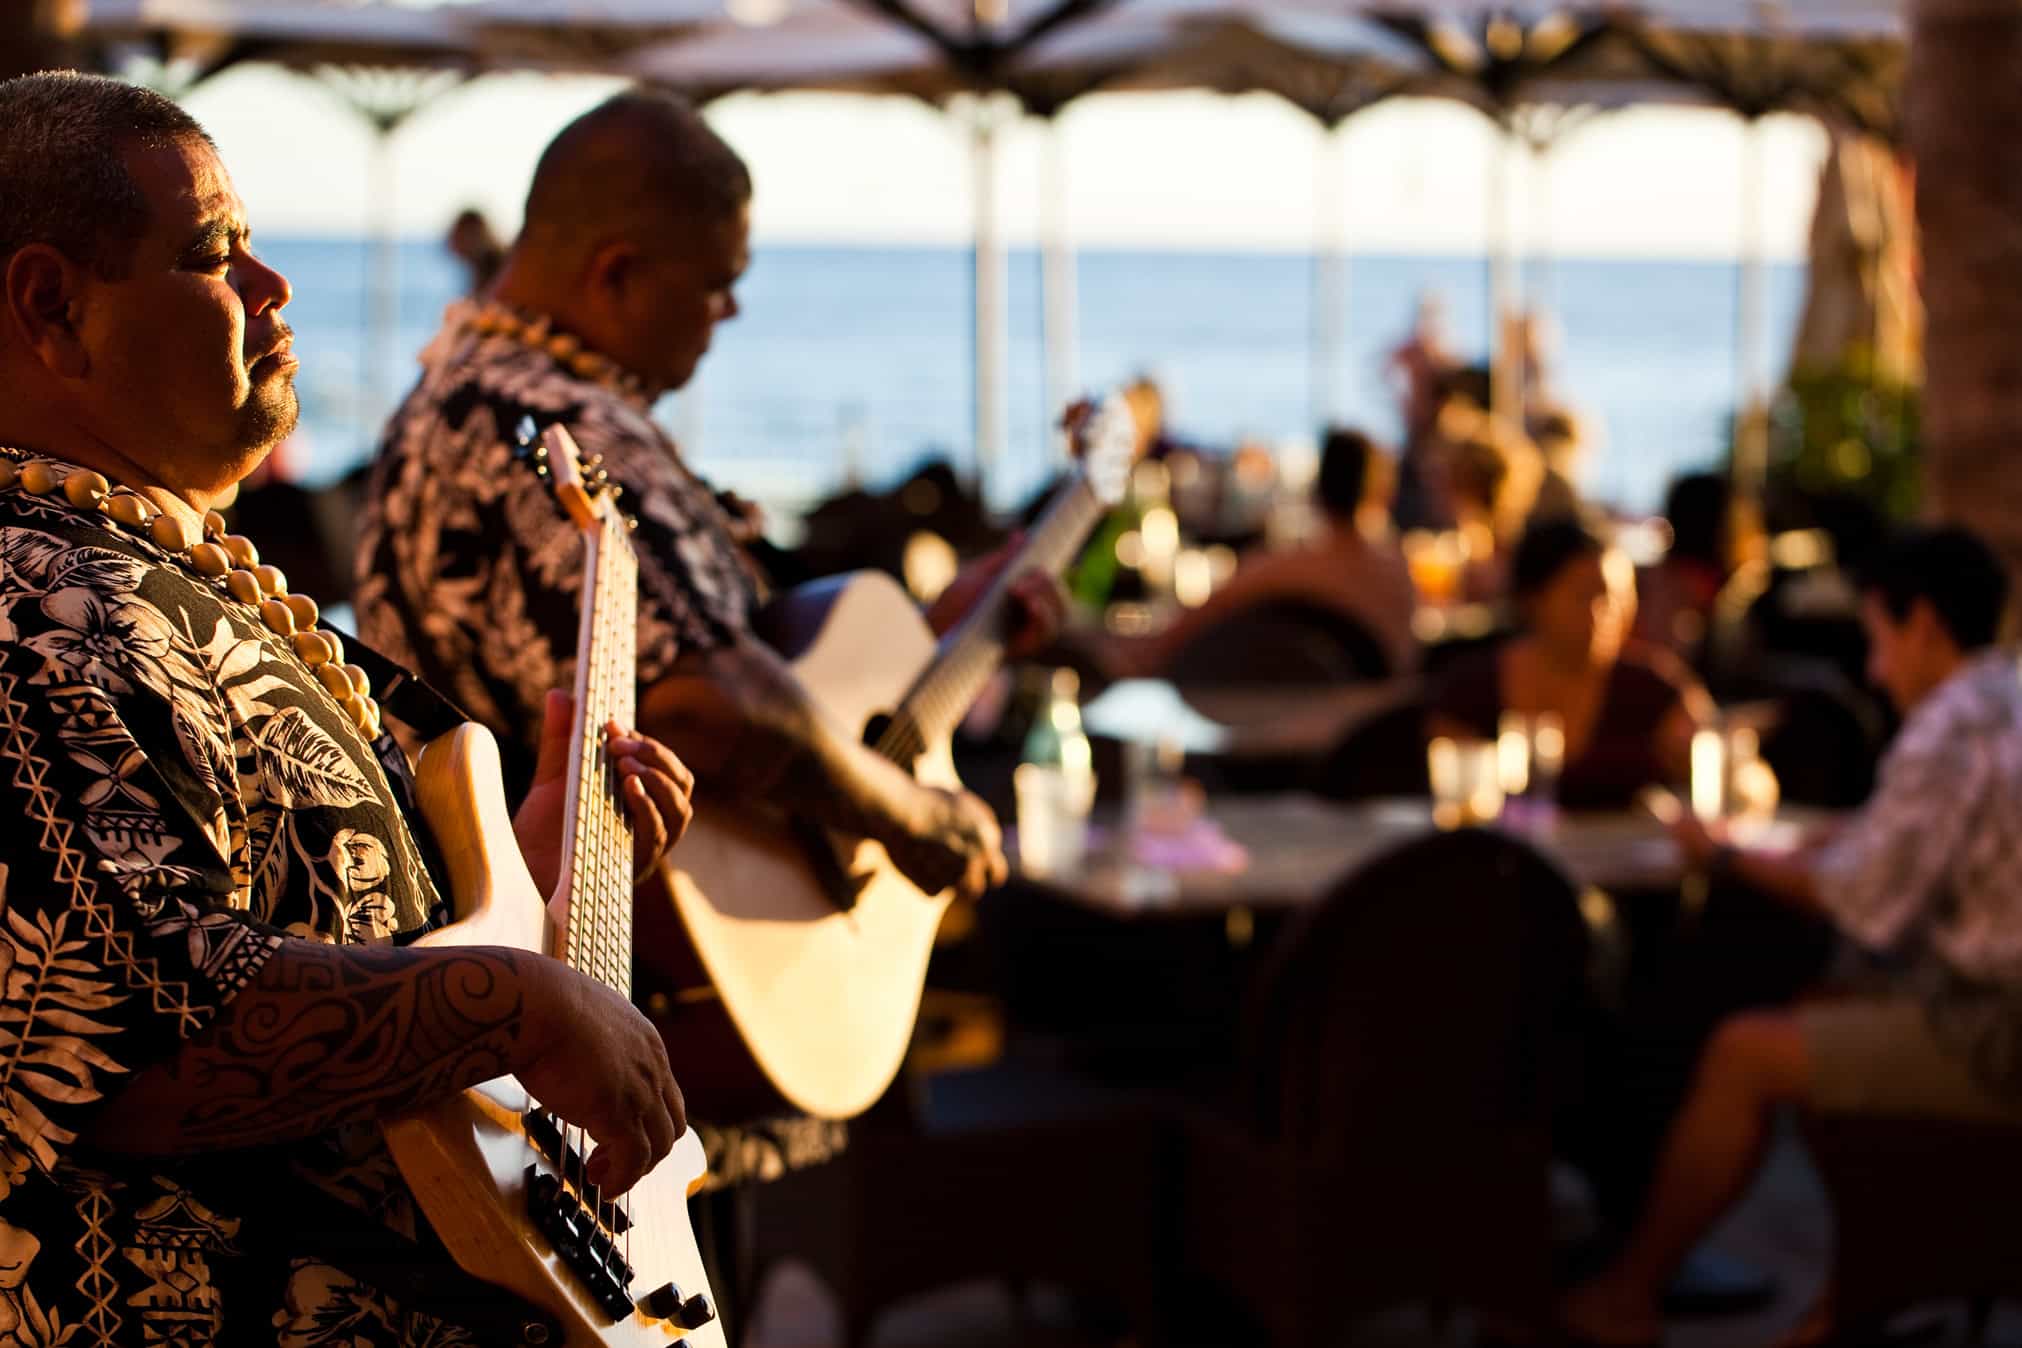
(1055, 781)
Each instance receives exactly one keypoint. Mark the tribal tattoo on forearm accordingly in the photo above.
(328, 1035)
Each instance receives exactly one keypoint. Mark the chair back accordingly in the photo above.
(1283, 643)
(1382, 756)
(1434, 994)
(1826, 741)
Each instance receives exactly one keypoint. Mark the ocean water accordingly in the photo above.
(858, 359)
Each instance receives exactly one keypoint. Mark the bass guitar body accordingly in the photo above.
(488, 1172)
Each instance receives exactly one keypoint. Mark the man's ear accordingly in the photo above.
(612, 268)
(1927, 627)
(42, 306)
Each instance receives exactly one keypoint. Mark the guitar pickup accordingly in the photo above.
(583, 1243)
(545, 1131)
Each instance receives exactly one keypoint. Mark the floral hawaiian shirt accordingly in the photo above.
(470, 574)
(1931, 867)
(179, 792)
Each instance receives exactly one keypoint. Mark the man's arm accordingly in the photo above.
(1783, 876)
(1787, 876)
(327, 1035)
(741, 720)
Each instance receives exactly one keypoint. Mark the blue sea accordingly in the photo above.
(859, 359)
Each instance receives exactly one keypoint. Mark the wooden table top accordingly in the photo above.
(1299, 845)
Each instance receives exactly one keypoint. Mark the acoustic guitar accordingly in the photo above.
(501, 1179)
(814, 944)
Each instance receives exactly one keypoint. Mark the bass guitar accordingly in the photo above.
(502, 1180)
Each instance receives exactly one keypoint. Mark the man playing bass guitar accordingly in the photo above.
(208, 880)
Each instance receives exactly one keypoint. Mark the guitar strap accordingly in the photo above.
(407, 697)
(401, 692)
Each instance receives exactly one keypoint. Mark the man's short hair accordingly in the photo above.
(1950, 569)
(63, 173)
(1344, 470)
(640, 156)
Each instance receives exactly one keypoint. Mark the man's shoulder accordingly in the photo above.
(484, 390)
(1982, 700)
(83, 602)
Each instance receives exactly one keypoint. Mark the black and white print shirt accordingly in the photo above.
(469, 572)
(177, 793)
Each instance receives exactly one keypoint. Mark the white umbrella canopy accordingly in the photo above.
(583, 35)
(210, 34)
(1056, 49)
(936, 52)
(1820, 19)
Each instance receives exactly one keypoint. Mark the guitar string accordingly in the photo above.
(625, 689)
(595, 791)
(948, 687)
(615, 657)
(585, 917)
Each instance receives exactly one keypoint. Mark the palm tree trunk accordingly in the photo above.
(1963, 104)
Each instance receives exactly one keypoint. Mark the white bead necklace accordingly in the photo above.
(493, 319)
(229, 562)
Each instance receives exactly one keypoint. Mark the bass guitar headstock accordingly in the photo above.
(580, 484)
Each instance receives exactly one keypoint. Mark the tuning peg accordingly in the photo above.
(695, 1312)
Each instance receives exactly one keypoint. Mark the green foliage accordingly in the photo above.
(1839, 431)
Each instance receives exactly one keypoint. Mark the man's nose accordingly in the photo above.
(263, 289)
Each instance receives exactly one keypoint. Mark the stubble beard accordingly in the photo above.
(269, 416)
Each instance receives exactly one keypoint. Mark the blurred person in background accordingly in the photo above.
(1419, 366)
(1353, 565)
(1561, 442)
(1677, 595)
(1481, 475)
(1628, 712)
(473, 242)
(1928, 873)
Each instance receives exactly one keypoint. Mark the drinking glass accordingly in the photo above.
(1053, 807)
(1466, 782)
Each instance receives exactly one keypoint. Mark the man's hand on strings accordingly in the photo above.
(656, 786)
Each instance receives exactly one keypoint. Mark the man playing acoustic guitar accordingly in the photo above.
(635, 236)
(207, 875)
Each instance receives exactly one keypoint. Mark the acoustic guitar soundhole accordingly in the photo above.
(875, 730)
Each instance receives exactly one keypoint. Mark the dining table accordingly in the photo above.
(1283, 851)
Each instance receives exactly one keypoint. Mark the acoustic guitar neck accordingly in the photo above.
(971, 653)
